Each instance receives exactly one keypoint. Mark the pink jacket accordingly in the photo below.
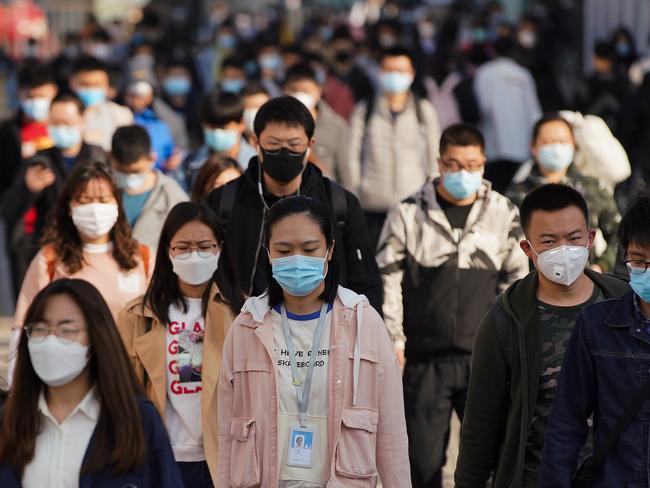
(366, 425)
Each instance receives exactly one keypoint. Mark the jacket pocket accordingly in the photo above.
(355, 452)
(244, 462)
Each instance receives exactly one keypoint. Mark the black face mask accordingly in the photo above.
(282, 165)
(343, 56)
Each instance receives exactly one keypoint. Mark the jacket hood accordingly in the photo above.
(259, 306)
(311, 175)
(520, 299)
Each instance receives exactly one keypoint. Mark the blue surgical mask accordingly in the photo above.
(37, 109)
(233, 85)
(271, 62)
(177, 85)
(129, 181)
(395, 81)
(227, 41)
(220, 140)
(299, 275)
(92, 96)
(640, 283)
(462, 184)
(555, 157)
(64, 136)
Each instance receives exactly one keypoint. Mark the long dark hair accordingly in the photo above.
(62, 234)
(315, 210)
(164, 289)
(119, 433)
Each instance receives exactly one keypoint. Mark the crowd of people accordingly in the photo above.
(286, 258)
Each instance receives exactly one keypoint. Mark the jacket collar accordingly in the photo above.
(142, 309)
(520, 300)
(622, 314)
(256, 308)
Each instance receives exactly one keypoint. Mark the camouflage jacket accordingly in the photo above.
(439, 281)
(603, 213)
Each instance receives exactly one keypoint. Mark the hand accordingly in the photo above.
(38, 178)
(174, 161)
(399, 352)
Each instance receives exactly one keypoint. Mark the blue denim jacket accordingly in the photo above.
(606, 364)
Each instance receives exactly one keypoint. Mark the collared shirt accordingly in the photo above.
(640, 316)
(61, 447)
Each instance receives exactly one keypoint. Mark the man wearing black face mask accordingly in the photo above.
(284, 128)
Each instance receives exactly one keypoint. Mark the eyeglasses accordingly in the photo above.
(636, 266)
(204, 251)
(455, 166)
(66, 334)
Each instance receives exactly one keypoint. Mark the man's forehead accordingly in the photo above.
(560, 222)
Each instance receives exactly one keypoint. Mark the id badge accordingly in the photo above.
(301, 447)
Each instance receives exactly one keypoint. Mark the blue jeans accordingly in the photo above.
(196, 475)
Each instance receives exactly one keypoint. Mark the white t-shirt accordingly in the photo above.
(185, 333)
(302, 333)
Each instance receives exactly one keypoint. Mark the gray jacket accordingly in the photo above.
(164, 196)
(331, 136)
(393, 156)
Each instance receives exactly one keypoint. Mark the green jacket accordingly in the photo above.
(603, 212)
(503, 385)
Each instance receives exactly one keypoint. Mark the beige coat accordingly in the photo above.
(147, 353)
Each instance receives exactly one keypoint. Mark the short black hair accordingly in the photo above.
(300, 72)
(634, 228)
(34, 74)
(69, 97)
(318, 211)
(88, 63)
(284, 110)
(221, 108)
(130, 143)
(604, 50)
(505, 46)
(394, 52)
(254, 88)
(234, 62)
(551, 198)
(546, 118)
(461, 135)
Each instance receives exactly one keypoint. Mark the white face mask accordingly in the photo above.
(562, 264)
(307, 99)
(130, 181)
(195, 270)
(56, 363)
(95, 220)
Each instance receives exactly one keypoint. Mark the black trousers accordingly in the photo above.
(432, 389)
(195, 475)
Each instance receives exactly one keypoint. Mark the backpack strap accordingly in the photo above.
(148, 325)
(227, 202)
(144, 254)
(50, 259)
(339, 202)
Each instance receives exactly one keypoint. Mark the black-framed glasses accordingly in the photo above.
(455, 166)
(637, 266)
(66, 333)
(205, 251)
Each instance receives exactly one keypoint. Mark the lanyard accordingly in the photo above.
(303, 390)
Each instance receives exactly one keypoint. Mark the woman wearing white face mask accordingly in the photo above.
(310, 392)
(88, 238)
(75, 416)
(174, 334)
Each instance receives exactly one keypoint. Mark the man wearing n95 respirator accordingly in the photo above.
(519, 348)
